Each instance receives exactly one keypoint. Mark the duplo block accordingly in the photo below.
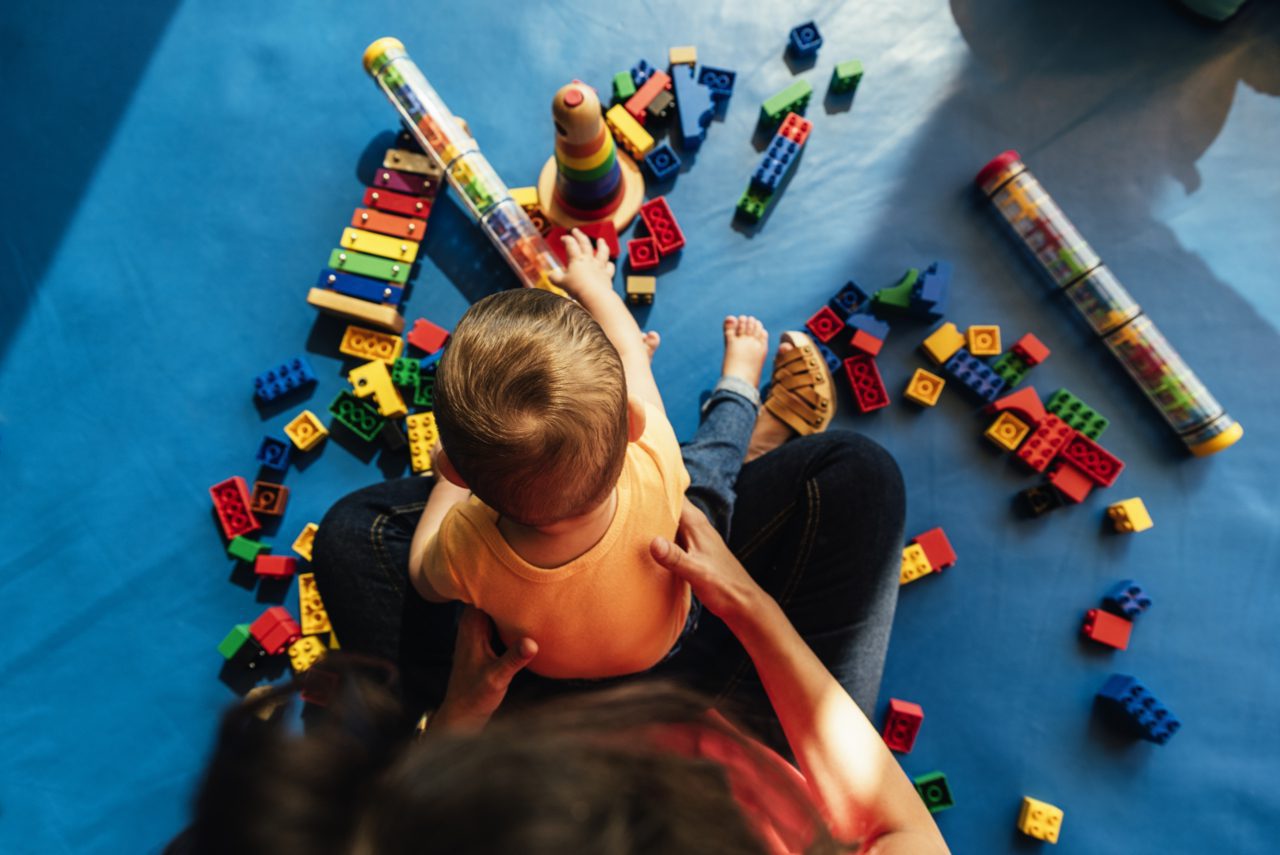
(793, 99)
(1127, 599)
(640, 72)
(929, 294)
(305, 540)
(605, 231)
(426, 336)
(868, 323)
(915, 564)
(865, 381)
(275, 566)
(937, 548)
(864, 342)
(1011, 368)
(1132, 705)
(1030, 350)
(1007, 432)
(1099, 465)
(776, 163)
(1076, 413)
(829, 357)
(752, 205)
(659, 110)
(974, 374)
(423, 435)
(1069, 481)
(683, 55)
(795, 128)
(373, 380)
(1039, 500)
(897, 297)
(983, 339)
(370, 344)
(662, 225)
(1106, 628)
(628, 133)
(424, 393)
(315, 619)
(825, 324)
(305, 652)
(637, 105)
(269, 498)
(240, 648)
(925, 388)
(1040, 820)
(848, 299)
(275, 629)
(845, 77)
(306, 431)
(289, 375)
(623, 86)
(231, 502)
(273, 454)
(718, 81)
(804, 40)
(246, 549)
(662, 163)
(641, 290)
(943, 343)
(1043, 445)
(358, 416)
(406, 372)
(642, 253)
(935, 792)
(902, 724)
(1025, 403)
(1130, 515)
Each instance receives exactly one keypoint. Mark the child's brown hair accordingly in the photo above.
(531, 404)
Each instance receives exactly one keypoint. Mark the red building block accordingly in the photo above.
(275, 566)
(275, 629)
(604, 230)
(1044, 444)
(427, 336)
(1024, 402)
(638, 104)
(864, 378)
(231, 501)
(642, 253)
(662, 225)
(825, 325)
(796, 128)
(1102, 467)
(1106, 628)
(1073, 484)
(555, 243)
(901, 725)
(1031, 350)
(937, 548)
(865, 342)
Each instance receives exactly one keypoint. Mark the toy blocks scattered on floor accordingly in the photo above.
(425, 336)
(974, 374)
(793, 99)
(370, 344)
(246, 549)
(1126, 599)
(1011, 368)
(662, 163)
(1039, 500)
(1076, 413)
(306, 431)
(1099, 465)
(1131, 704)
(1024, 403)
(1038, 451)
(1069, 481)
(305, 652)
(1130, 515)
(641, 290)
(1106, 628)
(275, 629)
(232, 503)
(662, 226)
(638, 104)
(825, 324)
(848, 299)
(315, 619)
(305, 540)
(983, 340)
(683, 55)
(269, 498)
(283, 379)
(937, 548)
(628, 133)
(240, 648)
(915, 564)
(422, 437)
(845, 77)
(902, 724)
(864, 379)
(777, 162)
(804, 41)
(925, 388)
(275, 566)
(642, 253)
(719, 82)
(273, 454)
(1040, 820)
(1007, 432)
(694, 106)
(373, 380)
(935, 792)
(942, 343)
(358, 416)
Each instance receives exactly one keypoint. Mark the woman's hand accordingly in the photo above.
(479, 679)
(702, 558)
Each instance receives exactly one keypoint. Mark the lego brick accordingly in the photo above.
(628, 133)
(865, 342)
(397, 203)
(1130, 515)
(391, 225)
(306, 431)
(1011, 368)
(406, 371)
(273, 454)
(374, 380)
(804, 40)
(845, 77)
(848, 299)
(793, 99)
(314, 618)
(406, 182)
(828, 356)
(370, 344)
(1025, 403)
(238, 635)
(305, 540)
(1106, 628)
(683, 55)
(897, 297)
(942, 343)
(305, 652)
(641, 290)
(412, 161)
(240, 648)
(392, 436)
(1101, 466)
(642, 253)
(868, 323)
(983, 339)
(1030, 350)
(718, 81)
(360, 417)
(1007, 431)
(640, 72)
(1128, 701)
(915, 564)
(937, 548)
(924, 388)
(930, 293)
(825, 324)
(662, 225)
(933, 789)
(1073, 484)
(662, 163)
(775, 164)
(372, 266)
(623, 86)
(381, 245)
(693, 106)
(659, 109)
(974, 374)
(555, 242)
(425, 392)
(604, 230)
(360, 287)
(277, 382)
(275, 566)
(1126, 599)
(865, 381)
(1040, 820)
(356, 309)
(795, 128)
(269, 498)
(1044, 444)
(275, 629)
(752, 205)
(246, 549)
(422, 437)
(1036, 501)
(1076, 413)
(902, 724)
(637, 105)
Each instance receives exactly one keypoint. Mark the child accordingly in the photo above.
(548, 410)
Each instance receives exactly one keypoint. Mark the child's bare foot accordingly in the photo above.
(770, 431)
(651, 342)
(746, 344)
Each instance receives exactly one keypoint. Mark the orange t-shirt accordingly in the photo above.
(612, 610)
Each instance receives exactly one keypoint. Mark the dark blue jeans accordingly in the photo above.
(817, 522)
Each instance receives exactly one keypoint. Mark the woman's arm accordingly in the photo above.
(848, 767)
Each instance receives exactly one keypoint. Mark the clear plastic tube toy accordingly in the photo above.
(1072, 265)
(468, 172)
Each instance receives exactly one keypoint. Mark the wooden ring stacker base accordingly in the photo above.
(632, 195)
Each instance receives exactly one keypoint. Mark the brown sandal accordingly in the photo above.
(802, 393)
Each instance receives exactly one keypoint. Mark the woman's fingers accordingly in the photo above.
(513, 662)
(674, 559)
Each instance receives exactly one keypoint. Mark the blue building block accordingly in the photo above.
(427, 365)
(805, 41)
(273, 454)
(662, 163)
(718, 80)
(848, 299)
(694, 104)
(640, 72)
(1126, 599)
(373, 290)
(929, 294)
(1132, 704)
(833, 362)
(975, 375)
(869, 324)
(283, 379)
(777, 161)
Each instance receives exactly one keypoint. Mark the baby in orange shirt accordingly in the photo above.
(548, 412)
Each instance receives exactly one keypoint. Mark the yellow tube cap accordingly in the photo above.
(1226, 439)
(378, 49)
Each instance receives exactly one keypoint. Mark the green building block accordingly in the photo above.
(361, 264)
(246, 549)
(793, 99)
(1076, 413)
(935, 792)
(235, 639)
(623, 86)
(405, 371)
(846, 76)
(752, 205)
(1011, 368)
(424, 393)
(357, 415)
(898, 296)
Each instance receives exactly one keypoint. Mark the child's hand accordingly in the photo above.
(587, 272)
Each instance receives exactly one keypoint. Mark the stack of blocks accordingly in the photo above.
(643, 253)
(776, 164)
(930, 552)
(845, 313)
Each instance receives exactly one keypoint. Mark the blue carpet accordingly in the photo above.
(177, 175)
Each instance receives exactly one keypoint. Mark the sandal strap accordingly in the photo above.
(801, 394)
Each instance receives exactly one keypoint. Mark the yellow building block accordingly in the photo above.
(629, 133)
(354, 309)
(315, 619)
(683, 55)
(943, 342)
(422, 436)
(984, 340)
(305, 652)
(915, 563)
(305, 540)
(925, 388)
(1040, 820)
(525, 196)
(371, 344)
(396, 249)
(641, 290)
(306, 431)
(1008, 432)
(374, 379)
(1130, 515)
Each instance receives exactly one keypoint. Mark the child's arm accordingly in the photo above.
(444, 495)
(589, 280)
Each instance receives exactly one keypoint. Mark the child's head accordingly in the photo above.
(531, 404)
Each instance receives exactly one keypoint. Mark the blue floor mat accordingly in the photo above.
(176, 177)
